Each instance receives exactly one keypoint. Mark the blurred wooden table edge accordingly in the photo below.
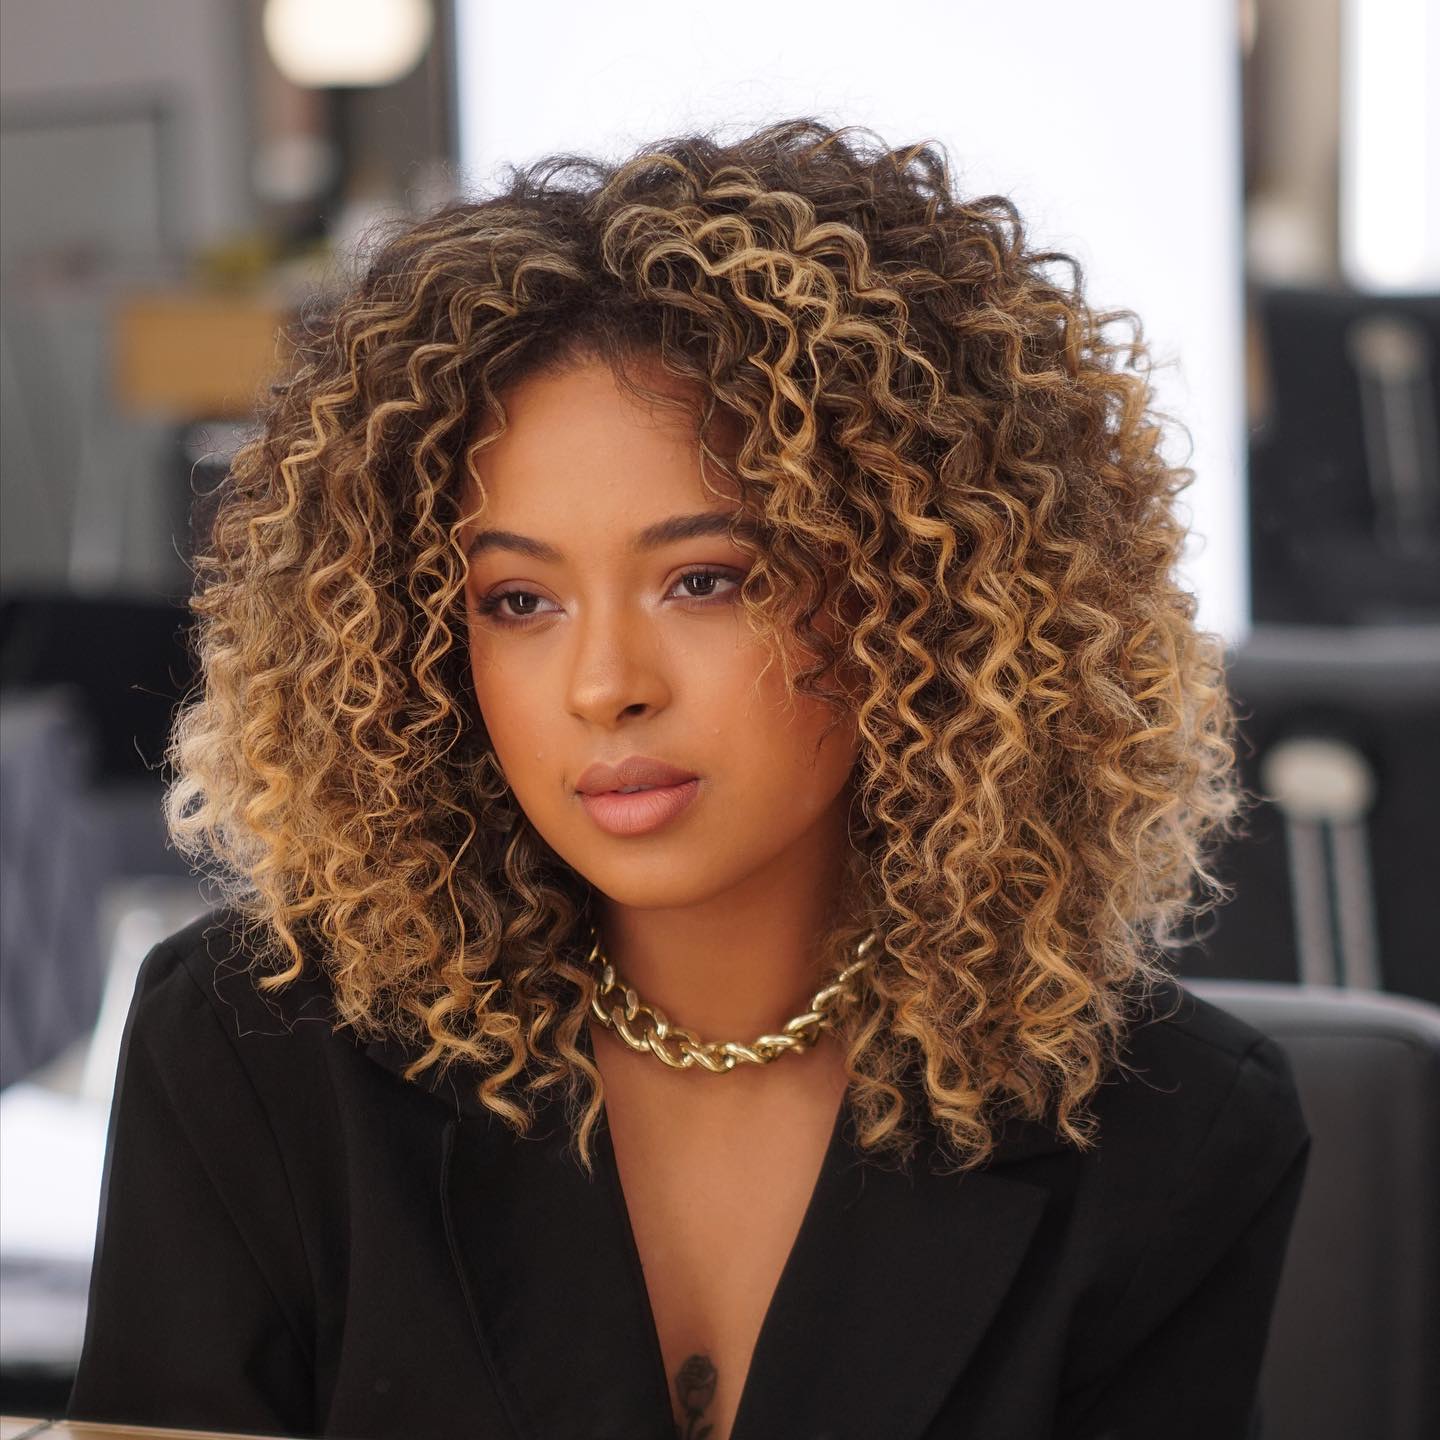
(16, 1427)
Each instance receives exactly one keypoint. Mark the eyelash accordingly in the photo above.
(489, 607)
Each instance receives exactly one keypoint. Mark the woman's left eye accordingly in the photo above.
(706, 575)
(494, 607)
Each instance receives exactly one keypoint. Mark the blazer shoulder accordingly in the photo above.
(1205, 1069)
(1188, 1204)
(219, 955)
(1206, 1041)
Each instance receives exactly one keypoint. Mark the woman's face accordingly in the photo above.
(604, 624)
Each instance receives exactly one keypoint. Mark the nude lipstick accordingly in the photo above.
(658, 792)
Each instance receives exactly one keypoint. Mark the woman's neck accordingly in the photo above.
(742, 963)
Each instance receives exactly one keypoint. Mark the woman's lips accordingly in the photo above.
(641, 812)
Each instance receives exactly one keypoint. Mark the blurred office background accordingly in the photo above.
(1257, 180)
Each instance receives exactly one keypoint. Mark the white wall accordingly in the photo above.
(1390, 145)
(1113, 125)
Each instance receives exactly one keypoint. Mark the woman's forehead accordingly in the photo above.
(575, 434)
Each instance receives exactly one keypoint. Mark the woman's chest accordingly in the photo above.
(712, 1252)
(714, 1210)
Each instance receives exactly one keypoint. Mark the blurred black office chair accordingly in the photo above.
(1356, 1335)
(1334, 879)
(124, 656)
(88, 686)
(1345, 467)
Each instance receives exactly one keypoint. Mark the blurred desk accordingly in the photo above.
(15, 1427)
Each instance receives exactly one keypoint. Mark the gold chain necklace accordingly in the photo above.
(680, 1048)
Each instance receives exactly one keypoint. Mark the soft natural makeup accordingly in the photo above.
(604, 625)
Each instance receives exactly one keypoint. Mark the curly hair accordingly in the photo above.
(925, 409)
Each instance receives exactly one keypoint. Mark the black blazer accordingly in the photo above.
(294, 1239)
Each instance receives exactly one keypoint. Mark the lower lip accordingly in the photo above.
(642, 812)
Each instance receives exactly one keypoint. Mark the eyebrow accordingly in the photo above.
(652, 537)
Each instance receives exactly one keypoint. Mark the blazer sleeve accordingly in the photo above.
(1182, 1357)
(198, 1289)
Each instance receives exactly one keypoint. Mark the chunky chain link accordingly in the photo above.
(616, 1005)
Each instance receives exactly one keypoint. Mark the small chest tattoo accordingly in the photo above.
(695, 1389)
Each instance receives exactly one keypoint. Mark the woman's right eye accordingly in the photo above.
(491, 605)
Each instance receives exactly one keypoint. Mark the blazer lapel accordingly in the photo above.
(553, 1283)
(893, 1281)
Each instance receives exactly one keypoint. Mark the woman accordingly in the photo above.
(706, 753)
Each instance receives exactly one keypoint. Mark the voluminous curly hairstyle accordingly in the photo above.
(925, 409)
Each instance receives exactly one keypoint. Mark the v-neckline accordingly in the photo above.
(608, 1166)
(892, 1281)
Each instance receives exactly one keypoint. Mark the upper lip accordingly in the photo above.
(632, 770)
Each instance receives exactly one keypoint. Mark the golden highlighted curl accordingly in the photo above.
(924, 410)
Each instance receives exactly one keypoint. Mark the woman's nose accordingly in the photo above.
(617, 667)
